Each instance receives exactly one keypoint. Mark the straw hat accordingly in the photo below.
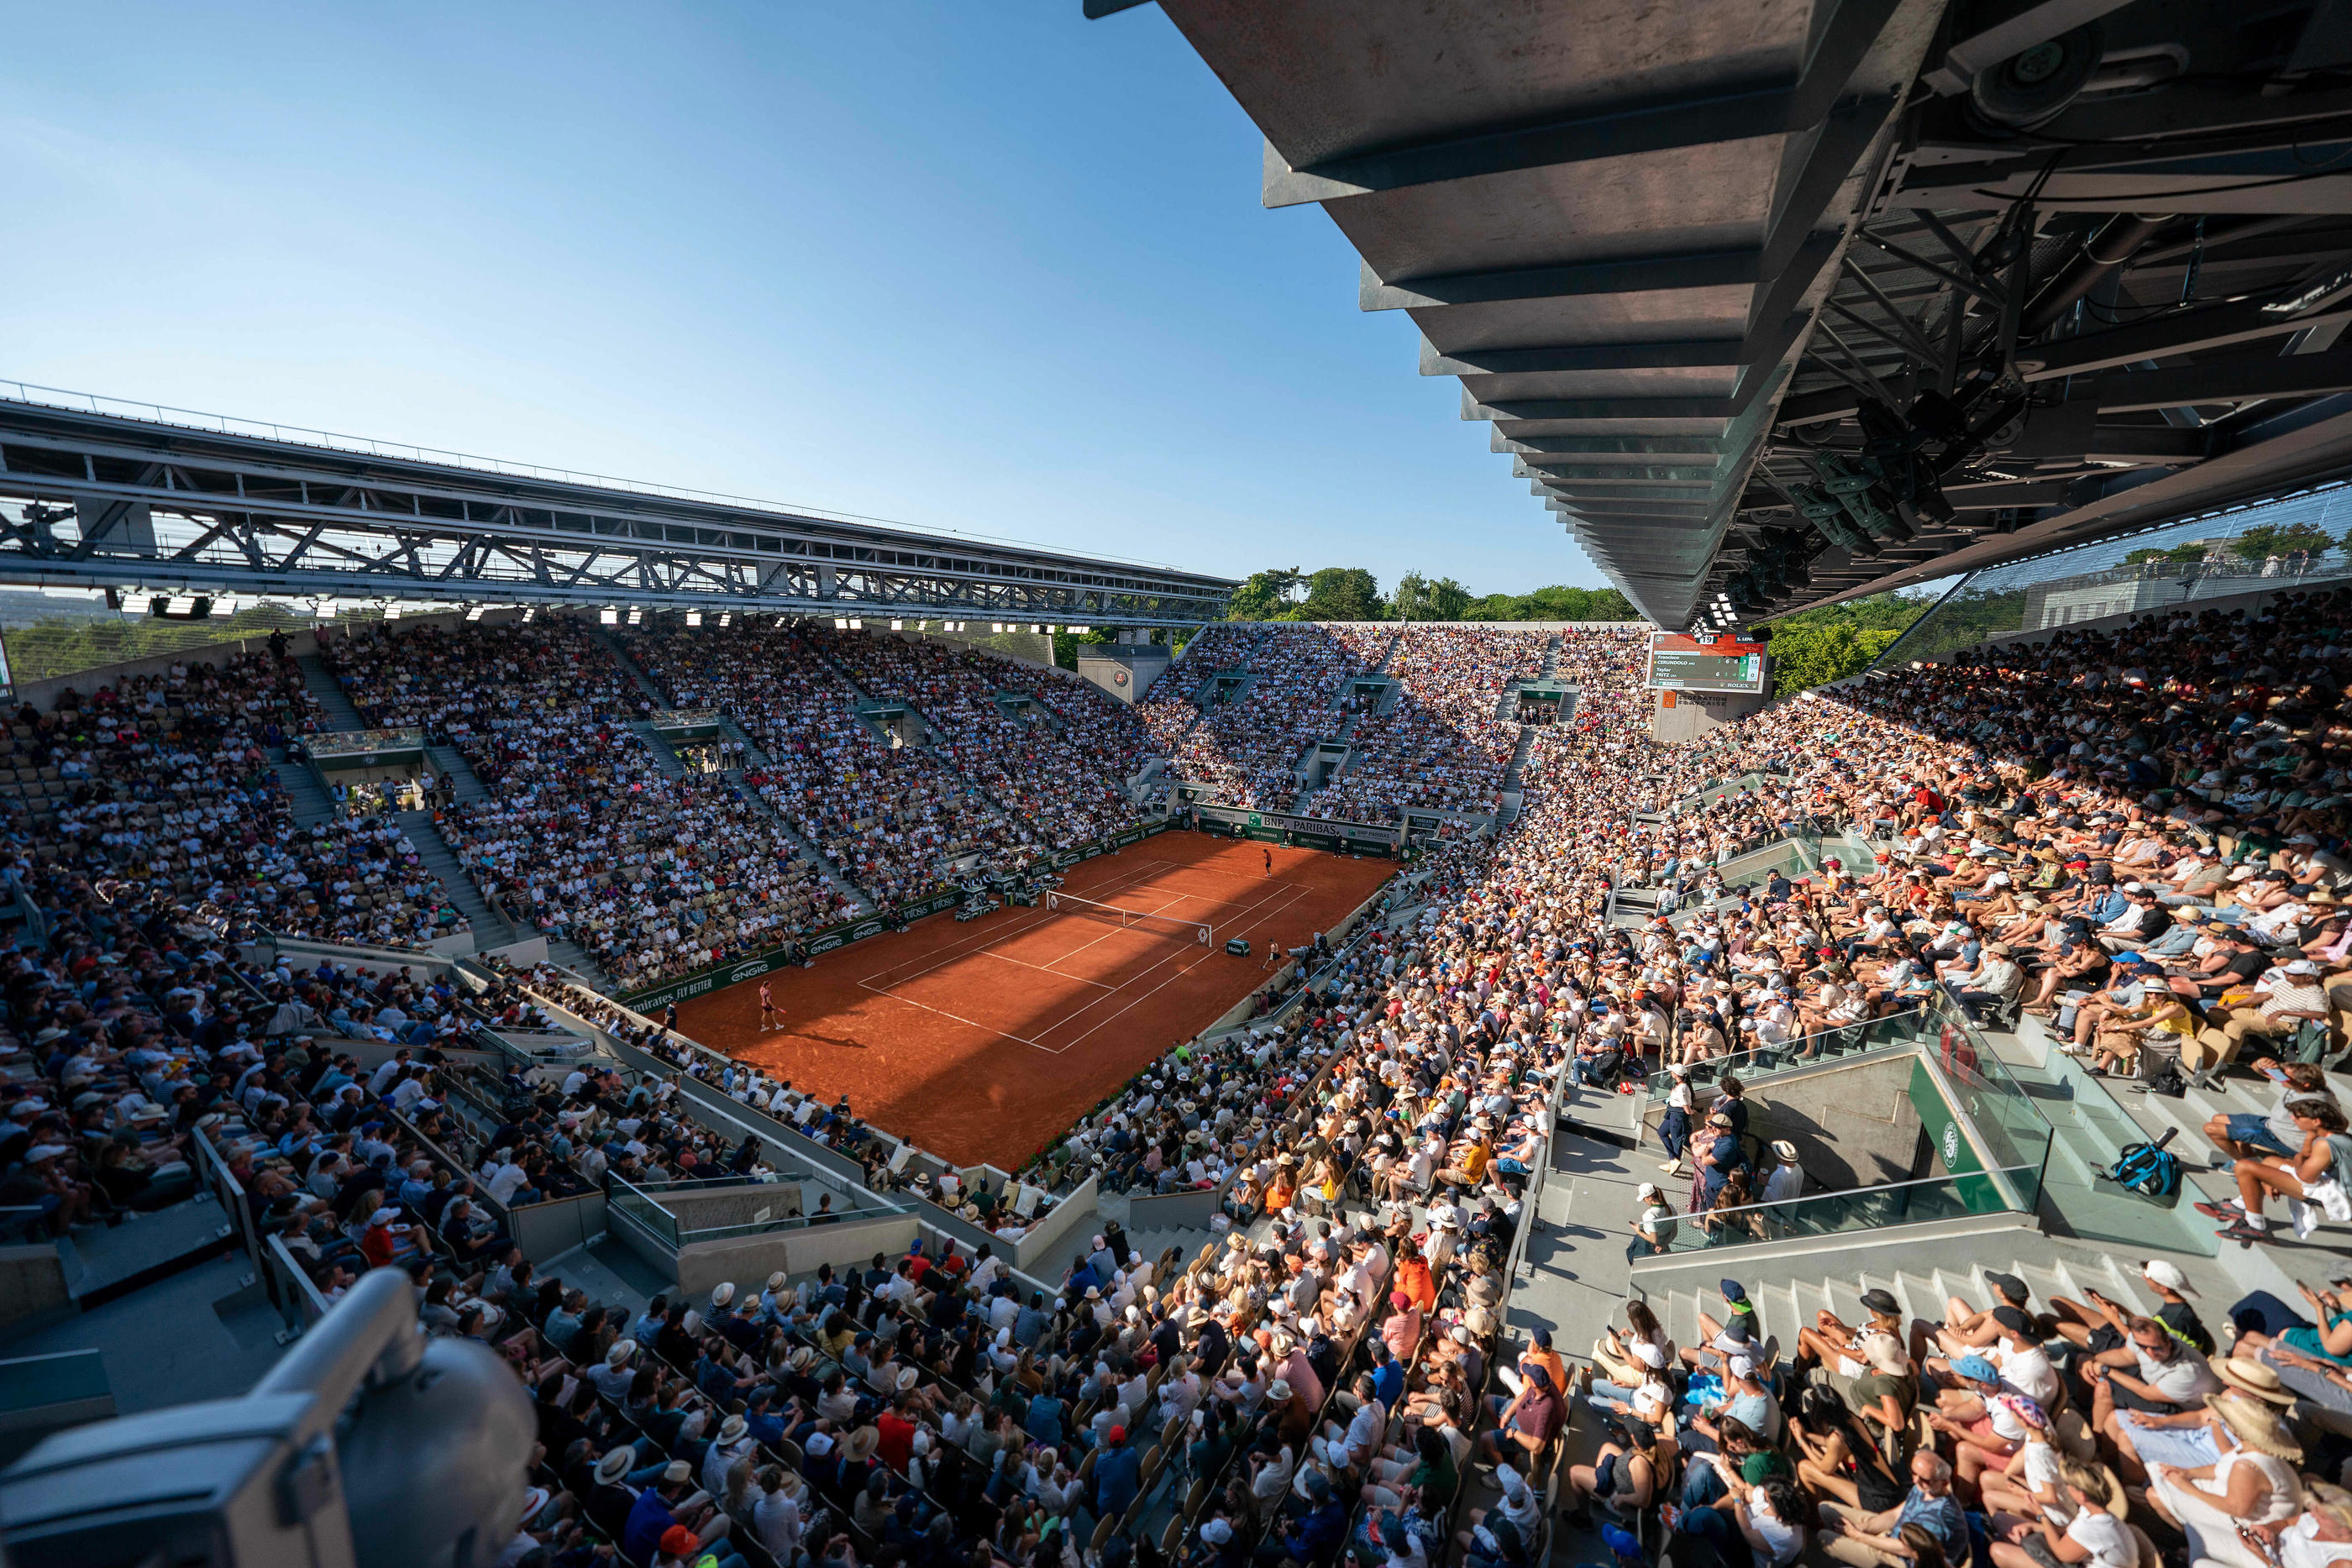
(2255, 1425)
(1278, 1392)
(2248, 1375)
(860, 1445)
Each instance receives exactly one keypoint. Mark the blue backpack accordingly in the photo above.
(2150, 1170)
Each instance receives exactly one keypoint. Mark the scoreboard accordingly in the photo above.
(1706, 661)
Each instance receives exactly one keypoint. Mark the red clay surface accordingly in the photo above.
(983, 1041)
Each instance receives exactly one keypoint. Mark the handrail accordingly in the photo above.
(1660, 1082)
(1704, 1230)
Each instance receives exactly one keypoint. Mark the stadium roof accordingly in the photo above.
(103, 498)
(1776, 301)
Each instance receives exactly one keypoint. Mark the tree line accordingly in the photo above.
(1352, 594)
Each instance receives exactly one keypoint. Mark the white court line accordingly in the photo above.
(1042, 968)
(949, 955)
(1240, 915)
(1296, 894)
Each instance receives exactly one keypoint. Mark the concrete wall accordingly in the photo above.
(1694, 713)
(1857, 1127)
(1854, 1126)
(711, 1207)
(31, 1280)
(1102, 665)
(748, 1261)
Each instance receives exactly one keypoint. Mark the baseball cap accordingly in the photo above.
(2164, 1272)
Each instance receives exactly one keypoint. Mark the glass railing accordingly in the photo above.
(1842, 1213)
(645, 1212)
(1899, 1031)
(2008, 1122)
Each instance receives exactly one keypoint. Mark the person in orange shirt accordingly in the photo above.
(1538, 1353)
(1279, 1190)
(1413, 1279)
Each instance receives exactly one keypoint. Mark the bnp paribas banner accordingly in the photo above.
(720, 976)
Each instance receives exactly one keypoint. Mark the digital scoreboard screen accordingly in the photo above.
(1706, 661)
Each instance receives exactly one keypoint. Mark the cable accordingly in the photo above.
(2131, 198)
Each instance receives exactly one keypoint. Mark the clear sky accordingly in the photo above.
(979, 265)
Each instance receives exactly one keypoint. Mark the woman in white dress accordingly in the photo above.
(2252, 1483)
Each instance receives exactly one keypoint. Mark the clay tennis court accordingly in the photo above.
(983, 1040)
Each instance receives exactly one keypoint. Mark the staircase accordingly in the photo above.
(104, 1262)
(305, 795)
(629, 666)
(666, 760)
(858, 901)
(438, 858)
(320, 683)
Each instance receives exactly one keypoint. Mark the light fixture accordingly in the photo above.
(996, 626)
(694, 617)
(855, 625)
(840, 623)
(474, 612)
(530, 614)
(727, 618)
(1081, 630)
(609, 617)
(782, 621)
(897, 625)
(637, 614)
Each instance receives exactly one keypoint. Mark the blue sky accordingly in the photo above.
(983, 265)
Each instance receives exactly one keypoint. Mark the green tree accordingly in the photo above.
(2185, 554)
(1342, 593)
(1067, 643)
(1557, 602)
(2264, 540)
(1265, 596)
(1418, 599)
(1804, 657)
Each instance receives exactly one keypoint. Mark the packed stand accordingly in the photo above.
(165, 780)
(1167, 709)
(1439, 745)
(1246, 750)
(1065, 793)
(580, 834)
(891, 820)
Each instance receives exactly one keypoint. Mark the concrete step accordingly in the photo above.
(645, 682)
(575, 958)
(306, 797)
(451, 763)
(103, 1264)
(320, 682)
(857, 897)
(441, 860)
(666, 760)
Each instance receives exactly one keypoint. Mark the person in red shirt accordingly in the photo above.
(897, 1428)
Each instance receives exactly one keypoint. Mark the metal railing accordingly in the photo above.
(1896, 1031)
(2002, 1189)
(261, 429)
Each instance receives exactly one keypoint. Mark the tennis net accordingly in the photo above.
(1132, 919)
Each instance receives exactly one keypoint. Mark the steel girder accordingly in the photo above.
(98, 500)
(1779, 302)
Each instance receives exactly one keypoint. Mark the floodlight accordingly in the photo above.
(694, 617)
(609, 617)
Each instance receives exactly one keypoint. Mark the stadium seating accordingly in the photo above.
(583, 835)
(1370, 1141)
